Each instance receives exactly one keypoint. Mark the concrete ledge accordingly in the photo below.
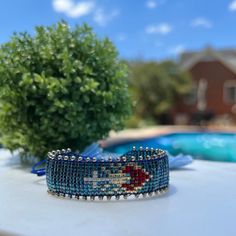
(200, 202)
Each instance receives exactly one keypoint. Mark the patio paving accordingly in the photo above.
(200, 202)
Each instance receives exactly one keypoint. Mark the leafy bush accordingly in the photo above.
(157, 88)
(60, 88)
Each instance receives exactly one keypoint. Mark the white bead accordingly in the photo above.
(54, 153)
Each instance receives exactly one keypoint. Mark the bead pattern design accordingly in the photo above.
(136, 172)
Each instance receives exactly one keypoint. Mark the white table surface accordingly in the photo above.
(201, 201)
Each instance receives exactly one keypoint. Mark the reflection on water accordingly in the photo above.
(207, 146)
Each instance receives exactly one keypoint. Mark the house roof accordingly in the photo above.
(226, 57)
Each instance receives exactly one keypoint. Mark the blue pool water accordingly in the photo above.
(206, 146)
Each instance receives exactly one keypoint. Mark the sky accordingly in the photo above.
(140, 29)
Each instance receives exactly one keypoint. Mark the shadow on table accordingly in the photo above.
(14, 161)
(183, 169)
(4, 233)
(40, 181)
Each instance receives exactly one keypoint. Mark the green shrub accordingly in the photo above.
(157, 88)
(60, 88)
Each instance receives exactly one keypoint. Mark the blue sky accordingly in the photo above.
(144, 29)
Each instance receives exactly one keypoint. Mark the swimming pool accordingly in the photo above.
(201, 145)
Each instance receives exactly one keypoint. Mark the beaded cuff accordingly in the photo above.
(138, 172)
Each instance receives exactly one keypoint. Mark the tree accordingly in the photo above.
(60, 88)
(156, 87)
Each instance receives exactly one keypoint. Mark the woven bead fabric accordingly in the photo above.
(136, 172)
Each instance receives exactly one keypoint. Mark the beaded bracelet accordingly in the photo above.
(142, 172)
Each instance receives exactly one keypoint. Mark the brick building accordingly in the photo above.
(214, 87)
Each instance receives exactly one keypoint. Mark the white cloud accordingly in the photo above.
(201, 22)
(72, 9)
(232, 6)
(162, 28)
(151, 4)
(76, 9)
(178, 49)
(102, 18)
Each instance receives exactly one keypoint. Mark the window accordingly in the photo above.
(191, 98)
(230, 92)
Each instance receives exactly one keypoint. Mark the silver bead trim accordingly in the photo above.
(155, 154)
(63, 150)
(116, 197)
